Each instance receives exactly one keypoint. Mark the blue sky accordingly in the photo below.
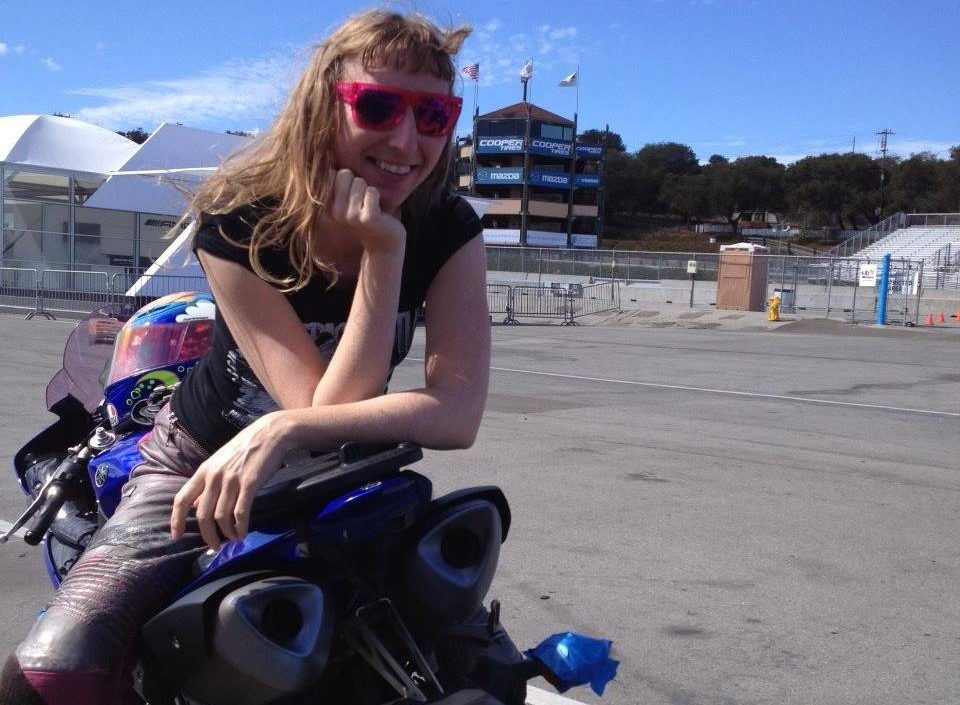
(731, 77)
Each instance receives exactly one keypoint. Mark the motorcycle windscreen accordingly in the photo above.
(86, 357)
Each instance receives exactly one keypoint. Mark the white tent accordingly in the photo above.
(170, 164)
(62, 144)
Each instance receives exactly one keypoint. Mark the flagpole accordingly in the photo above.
(578, 91)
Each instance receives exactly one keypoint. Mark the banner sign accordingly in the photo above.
(542, 238)
(487, 176)
(549, 148)
(592, 151)
(550, 179)
(583, 240)
(586, 180)
(501, 236)
(499, 145)
(868, 275)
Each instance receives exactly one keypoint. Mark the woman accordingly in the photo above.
(319, 243)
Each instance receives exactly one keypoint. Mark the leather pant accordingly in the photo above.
(80, 650)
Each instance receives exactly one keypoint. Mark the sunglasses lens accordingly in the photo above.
(378, 109)
(435, 115)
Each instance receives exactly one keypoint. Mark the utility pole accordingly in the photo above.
(884, 133)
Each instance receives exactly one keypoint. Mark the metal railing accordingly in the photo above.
(856, 240)
(548, 265)
(56, 292)
(931, 219)
(19, 289)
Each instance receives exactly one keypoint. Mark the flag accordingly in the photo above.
(526, 73)
(569, 81)
(472, 72)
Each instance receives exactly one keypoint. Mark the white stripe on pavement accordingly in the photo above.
(537, 696)
(731, 392)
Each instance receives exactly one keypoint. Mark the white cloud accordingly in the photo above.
(908, 146)
(562, 33)
(502, 50)
(19, 49)
(50, 64)
(238, 90)
(3, 48)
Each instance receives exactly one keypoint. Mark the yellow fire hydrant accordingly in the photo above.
(774, 312)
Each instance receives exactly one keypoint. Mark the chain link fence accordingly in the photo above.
(816, 285)
(549, 284)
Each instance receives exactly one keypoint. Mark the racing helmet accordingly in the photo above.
(156, 347)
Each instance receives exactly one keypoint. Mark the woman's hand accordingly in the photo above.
(357, 206)
(224, 486)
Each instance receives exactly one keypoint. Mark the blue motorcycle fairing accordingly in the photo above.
(364, 513)
(110, 470)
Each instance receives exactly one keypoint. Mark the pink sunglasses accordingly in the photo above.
(379, 107)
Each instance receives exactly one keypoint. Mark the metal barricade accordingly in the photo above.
(540, 302)
(500, 300)
(592, 299)
(154, 286)
(19, 290)
(68, 291)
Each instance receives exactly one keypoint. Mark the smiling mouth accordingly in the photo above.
(395, 169)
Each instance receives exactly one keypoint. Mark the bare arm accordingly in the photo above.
(445, 413)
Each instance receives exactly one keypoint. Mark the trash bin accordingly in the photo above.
(788, 299)
(742, 277)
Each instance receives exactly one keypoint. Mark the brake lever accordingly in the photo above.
(55, 492)
(28, 513)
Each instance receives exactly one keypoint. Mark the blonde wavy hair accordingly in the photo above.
(289, 168)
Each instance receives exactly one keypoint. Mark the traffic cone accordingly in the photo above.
(929, 320)
(941, 319)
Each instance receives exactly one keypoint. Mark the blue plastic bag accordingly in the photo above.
(573, 659)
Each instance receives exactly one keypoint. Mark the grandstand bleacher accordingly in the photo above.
(937, 245)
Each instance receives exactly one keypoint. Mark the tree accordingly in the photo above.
(654, 162)
(833, 190)
(913, 184)
(662, 158)
(622, 184)
(758, 184)
(687, 195)
(948, 187)
(139, 135)
(614, 140)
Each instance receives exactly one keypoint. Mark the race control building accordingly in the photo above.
(543, 187)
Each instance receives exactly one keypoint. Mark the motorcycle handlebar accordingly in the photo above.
(57, 493)
(65, 484)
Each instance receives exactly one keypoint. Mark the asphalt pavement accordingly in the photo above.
(752, 512)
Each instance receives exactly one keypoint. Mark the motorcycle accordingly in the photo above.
(354, 584)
